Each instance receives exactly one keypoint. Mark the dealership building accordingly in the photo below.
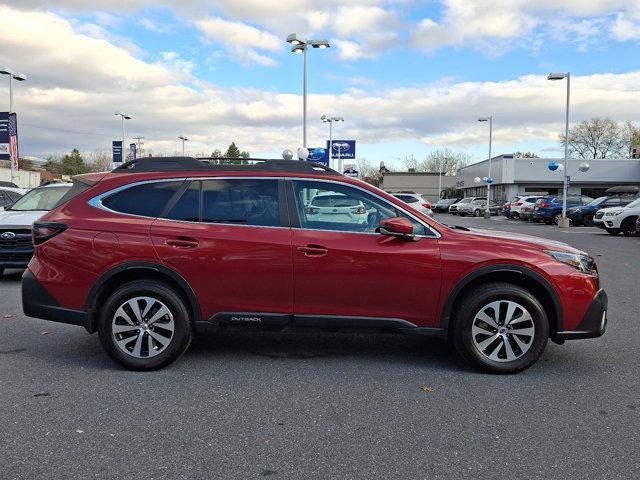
(512, 176)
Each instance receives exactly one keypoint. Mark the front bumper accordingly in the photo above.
(38, 303)
(593, 323)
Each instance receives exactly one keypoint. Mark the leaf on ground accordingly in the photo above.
(426, 389)
(7, 316)
(45, 333)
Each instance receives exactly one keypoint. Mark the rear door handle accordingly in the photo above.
(313, 250)
(182, 242)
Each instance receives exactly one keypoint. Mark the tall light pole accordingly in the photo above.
(300, 45)
(124, 117)
(139, 144)
(20, 77)
(564, 221)
(487, 212)
(184, 139)
(330, 121)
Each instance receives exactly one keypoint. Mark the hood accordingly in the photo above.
(17, 219)
(518, 238)
(611, 210)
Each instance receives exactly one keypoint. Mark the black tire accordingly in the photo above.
(628, 226)
(587, 220)
(556, 218)
(1, 271)
(477, 213)
(470, 305)
(613, 231)
(182, 333)
(516, 216)
(453, 213)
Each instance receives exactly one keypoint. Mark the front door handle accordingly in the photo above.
(313, 250)
(182, 242)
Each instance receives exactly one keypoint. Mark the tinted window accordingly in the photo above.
(187, 208)
(626, 200)
(4, 199)
(147, 200)
(407, 198)
(241, 202)
(334, 201)
(611, 202)
(531, 199)
(358, 212)
(15, 195)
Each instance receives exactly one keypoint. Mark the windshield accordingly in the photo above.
(40, 199)
(635, 203)
(334, 201)
(466, 200)
(596, 202)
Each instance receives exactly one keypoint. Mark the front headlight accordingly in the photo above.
(584, 263)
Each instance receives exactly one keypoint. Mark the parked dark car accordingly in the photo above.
(505, 210)
(583, 214)
(549, 209)
(442, 205)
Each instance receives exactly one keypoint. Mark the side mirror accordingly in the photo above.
(397, 227)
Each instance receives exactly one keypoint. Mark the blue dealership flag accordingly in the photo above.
(116, 146)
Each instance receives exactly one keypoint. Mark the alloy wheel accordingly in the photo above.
(142, 327)
(503, 331)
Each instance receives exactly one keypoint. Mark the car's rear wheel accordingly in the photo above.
(516, 215)
(500, 328)
(613, 231)
(628, 227)
(145, 325)
(477, 213)
(587, 220)
(556, 218)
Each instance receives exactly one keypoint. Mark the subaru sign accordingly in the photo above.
(343, 149)
(116, 146)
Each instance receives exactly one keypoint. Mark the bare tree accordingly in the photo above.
(596, 138)
(99, 161)
(631, 137)
(445, 160)
(525, 155)
(366, 170)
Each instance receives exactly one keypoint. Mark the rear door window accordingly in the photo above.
(241, 202)
(187, 208)
(146, 200)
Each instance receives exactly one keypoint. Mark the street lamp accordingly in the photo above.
(300, 45)
(124, 117)
(20, 77)
(184, 139)
(487, 212)
(564, 221)
(330, 121)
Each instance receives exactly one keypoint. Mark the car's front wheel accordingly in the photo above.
(145, 325)
(477, 213)
(628, 227)
(500, 328)
(587, 220)
(613, 231)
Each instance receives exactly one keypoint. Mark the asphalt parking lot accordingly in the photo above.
(301, 406)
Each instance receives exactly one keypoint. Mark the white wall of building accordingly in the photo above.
(22, 178)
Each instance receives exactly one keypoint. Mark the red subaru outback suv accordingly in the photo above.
(162, 247)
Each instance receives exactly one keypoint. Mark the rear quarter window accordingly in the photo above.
(146, 200)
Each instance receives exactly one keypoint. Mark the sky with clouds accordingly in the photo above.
(407, 76)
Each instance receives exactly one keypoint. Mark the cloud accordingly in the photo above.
(241, 40)
(492, 25)
(77, 81)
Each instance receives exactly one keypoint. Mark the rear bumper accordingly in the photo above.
(593, 323)
(38, 303)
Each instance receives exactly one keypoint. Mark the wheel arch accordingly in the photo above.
(516, 274)
(132, 271)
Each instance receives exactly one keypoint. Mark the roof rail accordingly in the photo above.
(175, 164)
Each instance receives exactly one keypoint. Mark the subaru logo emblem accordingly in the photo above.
(8, 235)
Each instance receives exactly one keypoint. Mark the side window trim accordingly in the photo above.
(295, 218)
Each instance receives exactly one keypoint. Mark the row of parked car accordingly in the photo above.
(618, 212)
(473, 206)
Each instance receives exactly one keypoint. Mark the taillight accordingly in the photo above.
(359, 211)
(527, 209)
(518, 204)
(426, 205)
(43, 231)
(546, 205)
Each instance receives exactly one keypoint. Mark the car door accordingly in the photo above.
(228, 237)
(346, 272)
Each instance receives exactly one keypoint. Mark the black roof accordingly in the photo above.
(176, 164)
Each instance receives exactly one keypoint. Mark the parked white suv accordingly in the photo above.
(619, 219)
(416, 202)
(16, 246)
(522, 208)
